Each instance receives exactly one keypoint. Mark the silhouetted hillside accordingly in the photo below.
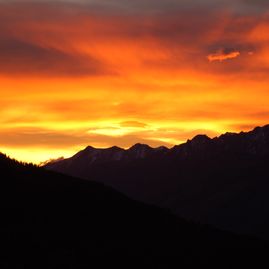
(50, 220)
(222, 181)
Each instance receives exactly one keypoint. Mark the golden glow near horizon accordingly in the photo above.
(72, 77)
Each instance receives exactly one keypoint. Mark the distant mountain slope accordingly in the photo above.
(222, 181)
(50, 220)
(91, 156)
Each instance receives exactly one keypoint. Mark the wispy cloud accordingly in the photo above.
(22, 58)
(222, 55)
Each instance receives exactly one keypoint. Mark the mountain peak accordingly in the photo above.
(228, 134)
(261, 130)
(265, 127)
(115, 148)
(201, 138)
(140, 146)
(93, 149)
(199, 141)
(90, 148)
(161, 149)
(140, 150)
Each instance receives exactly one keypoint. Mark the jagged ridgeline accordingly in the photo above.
(222, 181)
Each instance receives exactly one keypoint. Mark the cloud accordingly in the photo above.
(19, 57)
(223, 55)
(257, 3)
(78, 40)
(151, 6)
(135, 124)
(43, 138)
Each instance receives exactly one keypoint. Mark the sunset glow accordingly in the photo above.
(104, 73)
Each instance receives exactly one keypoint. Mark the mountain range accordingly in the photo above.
(223, 181)
(49, 220)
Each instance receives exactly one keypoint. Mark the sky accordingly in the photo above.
(119, 72)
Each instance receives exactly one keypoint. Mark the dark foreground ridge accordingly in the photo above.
(222, 181)
(50, 220)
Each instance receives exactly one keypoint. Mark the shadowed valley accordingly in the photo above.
(50, 220)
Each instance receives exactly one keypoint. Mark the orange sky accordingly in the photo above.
(73, 75)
